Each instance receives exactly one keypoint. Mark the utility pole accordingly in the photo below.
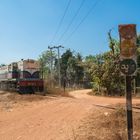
(59, 74)
(51, 64)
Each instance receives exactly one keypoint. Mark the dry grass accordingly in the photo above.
(110, 125)
(57, 92)
(13, 96)
(6, 96)
(9, 99)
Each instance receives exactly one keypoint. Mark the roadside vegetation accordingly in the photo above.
(109, 125)
(100, 72)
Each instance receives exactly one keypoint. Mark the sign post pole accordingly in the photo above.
(129, 108)
(128, 67)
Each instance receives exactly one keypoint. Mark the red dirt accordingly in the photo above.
(54, 119)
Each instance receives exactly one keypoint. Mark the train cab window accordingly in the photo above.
(15, 67)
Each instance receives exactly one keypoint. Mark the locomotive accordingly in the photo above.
(22, 76)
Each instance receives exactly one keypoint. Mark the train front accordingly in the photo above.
(29, 80)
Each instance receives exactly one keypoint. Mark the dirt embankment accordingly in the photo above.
(110, 125)
(82, 117)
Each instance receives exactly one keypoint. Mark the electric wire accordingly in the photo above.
(82, 20)
(61, 21)
(72, 20)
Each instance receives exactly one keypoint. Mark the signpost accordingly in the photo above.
(128, 67)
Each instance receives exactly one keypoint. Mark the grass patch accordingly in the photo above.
(58, 92)
(109, 125)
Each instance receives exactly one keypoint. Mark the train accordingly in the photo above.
(22, 76)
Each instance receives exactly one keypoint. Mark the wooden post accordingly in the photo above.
(129, 107)
(128, 39)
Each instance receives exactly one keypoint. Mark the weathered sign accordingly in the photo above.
(128, 41)
(128, 66)
(128, 49)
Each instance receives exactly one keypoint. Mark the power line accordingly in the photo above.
(83, 19)
(73, 18)
(61, 21)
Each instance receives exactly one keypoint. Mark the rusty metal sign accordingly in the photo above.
(127, 31)
(128, 48)
(128, 40)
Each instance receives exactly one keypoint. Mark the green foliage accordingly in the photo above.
(72, 67)
(104, 69)
(138, 40)
(101, 70)
(1, 65)
(112, 79)
(113, 44)
(88, 64)
(45, 62)
(64, 61)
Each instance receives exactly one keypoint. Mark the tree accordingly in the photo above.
(45, 62)
(75, 70)
(72, 67)
(87, 65)
(113, 44)
(96, 70)
(112, 79)
(64, 61)
(71, 72)
(104, 69)
(79, 69)
(1, 65)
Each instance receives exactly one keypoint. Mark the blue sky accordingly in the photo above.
(28, 26)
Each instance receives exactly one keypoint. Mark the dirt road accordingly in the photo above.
(54, 119)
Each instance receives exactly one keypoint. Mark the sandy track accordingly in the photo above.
(56, 119)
